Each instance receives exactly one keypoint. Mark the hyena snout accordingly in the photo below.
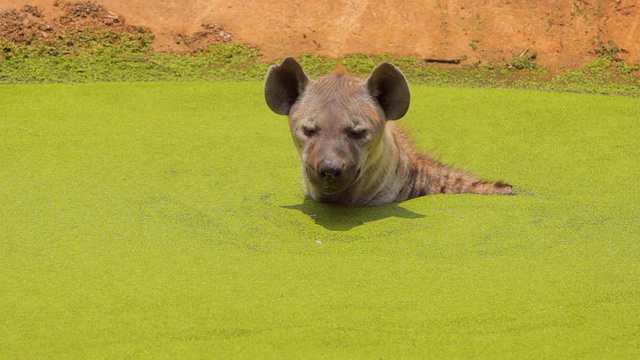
(330, 169)
(331, 174)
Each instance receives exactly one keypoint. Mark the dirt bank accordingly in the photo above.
(559, 33)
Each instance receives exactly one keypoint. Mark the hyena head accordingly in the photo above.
(336, 121)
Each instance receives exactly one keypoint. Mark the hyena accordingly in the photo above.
(351, 152)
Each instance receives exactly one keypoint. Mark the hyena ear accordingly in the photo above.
(389, 87)
(283, 85)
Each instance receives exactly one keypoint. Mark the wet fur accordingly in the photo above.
(350, 152)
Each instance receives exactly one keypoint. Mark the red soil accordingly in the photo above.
(560, 33)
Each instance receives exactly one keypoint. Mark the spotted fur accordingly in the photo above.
(350, 151)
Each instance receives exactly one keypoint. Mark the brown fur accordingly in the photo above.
(350, 152)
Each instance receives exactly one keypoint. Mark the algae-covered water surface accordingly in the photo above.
(168, 220)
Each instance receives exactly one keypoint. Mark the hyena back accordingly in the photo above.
(349, 150)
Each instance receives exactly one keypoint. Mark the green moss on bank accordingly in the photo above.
(94, 56)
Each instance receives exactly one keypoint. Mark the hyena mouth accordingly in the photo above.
(329, 185)
(329, 182)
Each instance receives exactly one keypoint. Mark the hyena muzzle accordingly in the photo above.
(350, 152)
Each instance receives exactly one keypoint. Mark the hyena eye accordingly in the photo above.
(309, 132)
(357, 134)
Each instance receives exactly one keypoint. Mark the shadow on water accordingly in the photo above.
(341, 218)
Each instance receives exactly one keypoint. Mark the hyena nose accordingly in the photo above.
(329, 169)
